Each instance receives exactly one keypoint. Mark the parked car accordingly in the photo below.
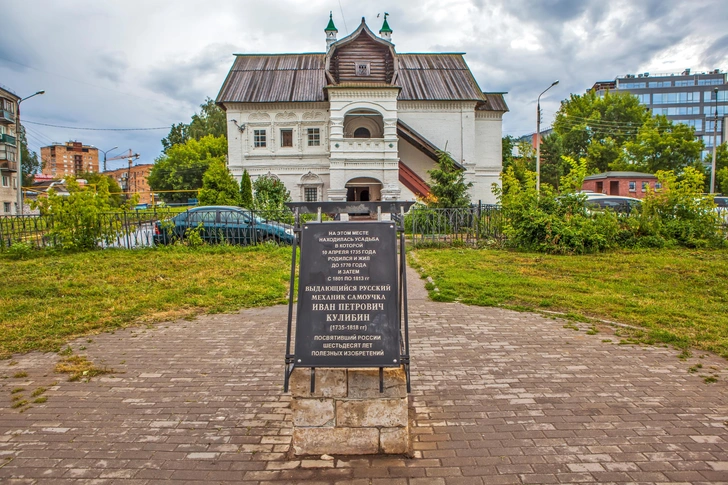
(620, 205)
(222, 224)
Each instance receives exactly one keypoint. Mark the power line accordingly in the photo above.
(98, 129)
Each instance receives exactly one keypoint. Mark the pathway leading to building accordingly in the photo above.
(498, 397)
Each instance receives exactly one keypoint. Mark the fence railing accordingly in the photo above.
(145, 228)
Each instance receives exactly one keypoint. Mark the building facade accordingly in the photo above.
(70, 158)
(9, 147)
(133, 180)
(360, 122)
(688, 98)
(626, 184)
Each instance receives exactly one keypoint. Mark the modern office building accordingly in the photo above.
(688, 98)
(70, 158)
(8, 152)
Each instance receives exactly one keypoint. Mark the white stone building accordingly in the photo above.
(361, 121)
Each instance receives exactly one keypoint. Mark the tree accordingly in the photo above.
(595, 128)
(270, 196)
(184, 165)
(447, 184)
(660, 145)
(246, 191)
(552, 163)
(78, 221)
(219, 187)
(721, 169)
(210, 121)
(521, 164)
(30, 160)
(116, 198)
(508, 144)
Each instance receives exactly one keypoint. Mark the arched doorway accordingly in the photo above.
(363, 189)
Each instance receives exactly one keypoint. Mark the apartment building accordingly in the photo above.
(70, 158)
(688, 97)
(9, 147)
(133, 180)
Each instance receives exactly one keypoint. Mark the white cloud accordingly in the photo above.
(137, 63)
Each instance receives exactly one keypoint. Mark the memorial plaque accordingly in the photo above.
(347, 296)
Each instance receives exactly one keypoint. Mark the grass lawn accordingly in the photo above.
(679, 296)
(51, 298)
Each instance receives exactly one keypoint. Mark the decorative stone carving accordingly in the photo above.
(310, 178)
(286, 116)
(313, 116)
(259, 116)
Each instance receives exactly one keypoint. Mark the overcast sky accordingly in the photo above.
(146, 64)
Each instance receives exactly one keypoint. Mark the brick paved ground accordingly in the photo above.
(498, 397)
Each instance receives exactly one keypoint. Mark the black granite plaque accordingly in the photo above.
(347, 296)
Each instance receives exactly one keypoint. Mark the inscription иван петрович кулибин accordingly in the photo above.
(347, 296)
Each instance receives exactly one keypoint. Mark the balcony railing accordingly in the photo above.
(10, 140)
(8, 165)
(7, 116)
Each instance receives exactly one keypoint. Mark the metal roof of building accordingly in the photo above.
(302, 78)
(493, 102)
(610, 175)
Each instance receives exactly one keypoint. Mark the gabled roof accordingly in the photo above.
(441, 77)
(362, 29)
(274, 78)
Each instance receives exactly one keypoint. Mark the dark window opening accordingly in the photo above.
(286, 138)
(362, 133)
(310, 194)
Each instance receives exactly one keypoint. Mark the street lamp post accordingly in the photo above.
(105, 152)
(538, 136)
(715, 137)
(20, 153)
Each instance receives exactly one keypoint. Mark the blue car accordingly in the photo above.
(217, 224)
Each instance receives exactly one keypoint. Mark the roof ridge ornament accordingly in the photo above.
(330, 31)
(386, 32)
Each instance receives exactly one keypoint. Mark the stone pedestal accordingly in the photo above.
(347, 415)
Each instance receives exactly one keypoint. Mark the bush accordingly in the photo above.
(679, 213)
(77, 221)
(551, 223)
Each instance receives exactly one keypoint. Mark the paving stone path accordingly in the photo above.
(498, 397)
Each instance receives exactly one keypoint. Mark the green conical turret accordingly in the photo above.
(331, 27)
(385, 25)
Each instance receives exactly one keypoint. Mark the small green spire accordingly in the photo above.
(331, 27)
(385, 25)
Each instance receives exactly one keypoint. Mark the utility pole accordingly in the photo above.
(715, 138)
(18, 128)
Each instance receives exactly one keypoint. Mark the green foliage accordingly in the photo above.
(246, 191)
(447, 184)
(552, 166)
(116, 197)
(219, 187)
(573, 180)
(660, 145)
(595, 127)
(270, 196)
(183, 166)
(211, 120)
(30, 160)
(680, 213)
(549, 223)
(20, 250)
(721, 169)
(76, 220)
